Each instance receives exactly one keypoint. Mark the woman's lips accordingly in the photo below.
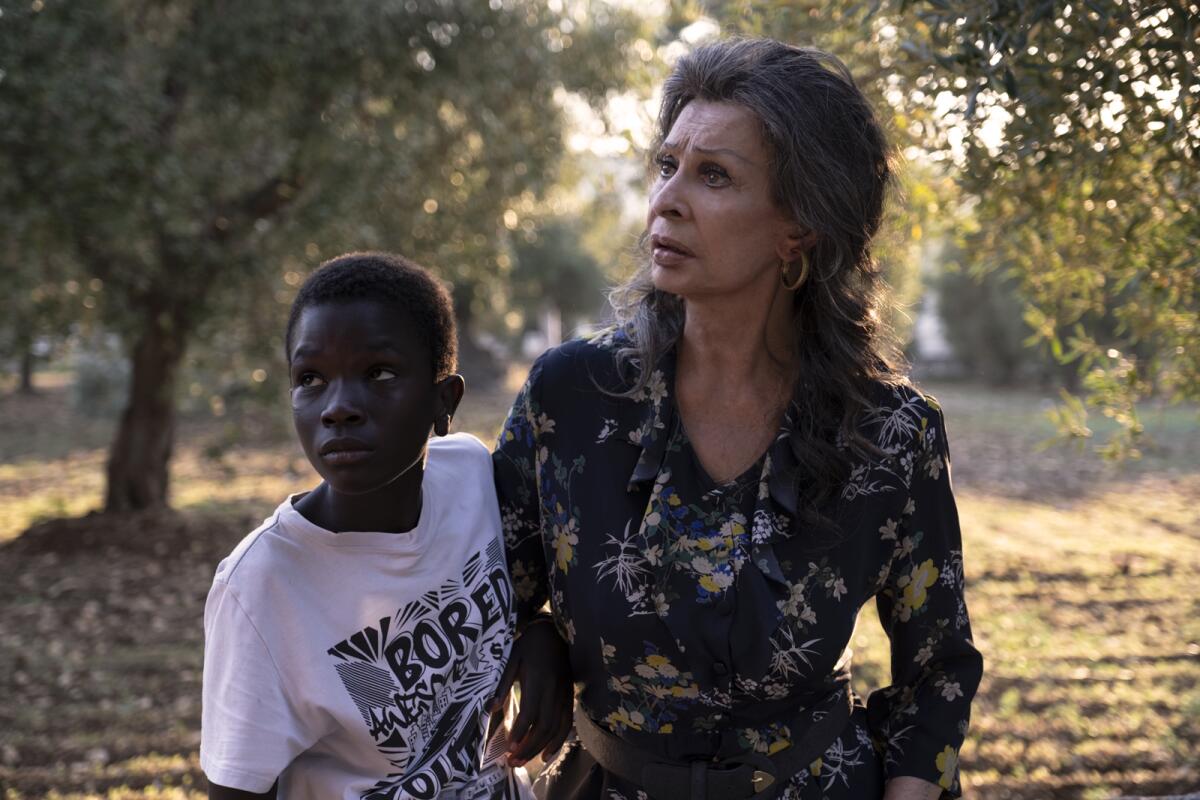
(667, 252)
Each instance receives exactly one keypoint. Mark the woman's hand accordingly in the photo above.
(542, 669)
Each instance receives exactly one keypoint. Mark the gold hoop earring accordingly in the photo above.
(792, 286)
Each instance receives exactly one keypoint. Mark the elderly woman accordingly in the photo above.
(707, 494)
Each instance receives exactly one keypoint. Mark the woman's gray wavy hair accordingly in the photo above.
(831, 170)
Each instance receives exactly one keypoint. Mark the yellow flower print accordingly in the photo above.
(668, 728)
(923, 576)
(624, 718)
(947, 763)
(674, 499)
(565, 540)
(656, 661)
(709, 582)
(814, 768)
(781, 741)
(736, 526)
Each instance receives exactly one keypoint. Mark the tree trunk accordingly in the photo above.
(141, 452)
(26, 385)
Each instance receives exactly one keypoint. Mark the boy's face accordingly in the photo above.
(363, 393)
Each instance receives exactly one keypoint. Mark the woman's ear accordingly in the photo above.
(450, 392)
(795, 243)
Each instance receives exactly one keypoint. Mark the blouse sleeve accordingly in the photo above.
(515, 467)
(922, 717)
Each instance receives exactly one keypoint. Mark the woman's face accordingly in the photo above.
(714, 227)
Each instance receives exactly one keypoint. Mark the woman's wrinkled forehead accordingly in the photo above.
(717, 128)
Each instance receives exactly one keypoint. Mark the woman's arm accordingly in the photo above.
(539, 662)
(922, 716)
(216, 792)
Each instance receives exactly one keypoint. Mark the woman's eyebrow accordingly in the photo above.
(710, 151)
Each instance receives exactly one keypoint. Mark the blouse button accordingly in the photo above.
(720, 669)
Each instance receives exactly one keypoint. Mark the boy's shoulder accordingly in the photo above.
(460, 455)
(254, 553)
(457, 447)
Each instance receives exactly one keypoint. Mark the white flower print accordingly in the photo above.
(606, 430)
(950, 689)
(661, 606)
(656, 388)
(933, 467)
(887, 531)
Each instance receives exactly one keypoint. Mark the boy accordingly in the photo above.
(353, 639)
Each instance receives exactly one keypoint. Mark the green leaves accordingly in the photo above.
(190, 155)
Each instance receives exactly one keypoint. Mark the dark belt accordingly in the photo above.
(743, 775)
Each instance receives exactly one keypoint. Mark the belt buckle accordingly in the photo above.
(761, 781)
(762, 776)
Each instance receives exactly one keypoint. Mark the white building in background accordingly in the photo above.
(930, 344)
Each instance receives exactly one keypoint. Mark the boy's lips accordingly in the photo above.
(345, 451)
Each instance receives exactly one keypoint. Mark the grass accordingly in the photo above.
(1081, 578)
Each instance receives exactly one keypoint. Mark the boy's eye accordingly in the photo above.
(309, 380)
(381, 374)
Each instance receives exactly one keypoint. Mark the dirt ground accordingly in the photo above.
(1082, 587)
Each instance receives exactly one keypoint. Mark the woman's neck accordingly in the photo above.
(740, 340)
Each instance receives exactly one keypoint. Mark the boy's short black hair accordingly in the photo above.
(394, 281)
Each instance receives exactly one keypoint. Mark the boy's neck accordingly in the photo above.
(395, 508)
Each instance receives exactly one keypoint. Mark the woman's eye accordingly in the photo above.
(666, 166)
(715, 176)
(381, 374)
(309, 380)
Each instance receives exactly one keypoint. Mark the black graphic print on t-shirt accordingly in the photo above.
(420, 679)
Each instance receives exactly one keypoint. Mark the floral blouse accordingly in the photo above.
(702, 619)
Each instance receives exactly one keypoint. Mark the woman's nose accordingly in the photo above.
(666, 198)
(342, 408)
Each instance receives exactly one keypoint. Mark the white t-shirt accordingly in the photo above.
(356, 665)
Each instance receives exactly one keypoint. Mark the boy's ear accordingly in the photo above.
(450, 392)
